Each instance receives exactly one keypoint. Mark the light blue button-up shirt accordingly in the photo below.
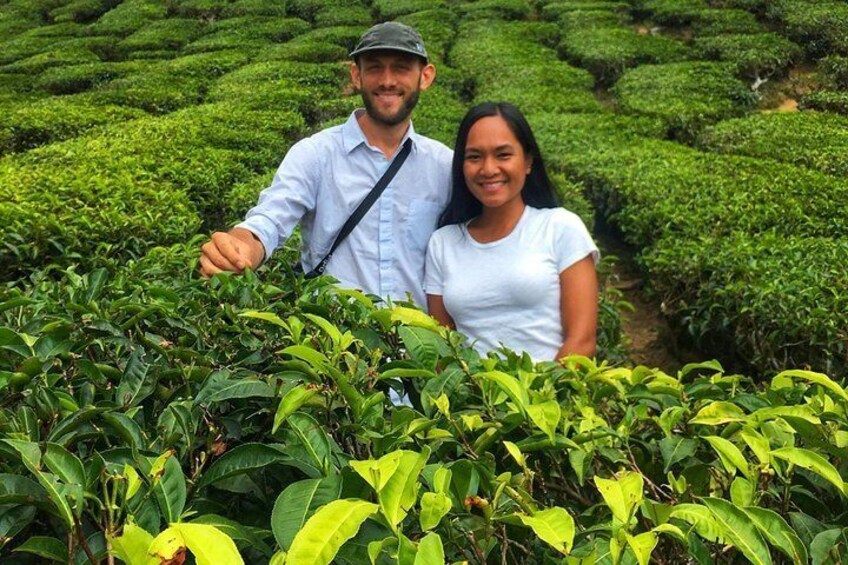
(322, 180)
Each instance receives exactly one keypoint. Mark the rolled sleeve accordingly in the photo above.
(292, 193)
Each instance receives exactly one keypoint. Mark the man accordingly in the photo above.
(323, 178)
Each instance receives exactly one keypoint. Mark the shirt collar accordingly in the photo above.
(353, 136)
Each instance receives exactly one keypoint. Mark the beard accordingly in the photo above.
(405, 110)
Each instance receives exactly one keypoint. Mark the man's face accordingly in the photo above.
(390, 82)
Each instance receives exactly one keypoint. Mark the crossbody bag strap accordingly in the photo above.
(364, 206)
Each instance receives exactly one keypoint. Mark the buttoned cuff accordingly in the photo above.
(265, 230)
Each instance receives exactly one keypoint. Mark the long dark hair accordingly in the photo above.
(538, 189)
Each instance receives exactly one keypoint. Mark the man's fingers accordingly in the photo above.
(207, 268)
(212, 253)
(231, 249)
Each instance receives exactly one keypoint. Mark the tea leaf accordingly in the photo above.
(621, 494)
(291, 401)
(132, 545)
(430, 551)
(778, 533)
(209, 545)
(718, 413)
(327, 530)
(730, 456)
(298, 502)
(434, 507)
(642, 545)
(554, 526)
(46, 547)
(813, 462)
(242, 459)
(736, 527)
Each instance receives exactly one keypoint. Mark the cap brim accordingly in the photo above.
(370, 48)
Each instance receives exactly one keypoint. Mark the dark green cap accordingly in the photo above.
(391, 36)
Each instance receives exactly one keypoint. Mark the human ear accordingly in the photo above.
(355, 76)
(428, 75)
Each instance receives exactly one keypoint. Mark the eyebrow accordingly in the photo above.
(498, 148)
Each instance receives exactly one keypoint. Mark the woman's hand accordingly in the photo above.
(436, 308)
(579, 308)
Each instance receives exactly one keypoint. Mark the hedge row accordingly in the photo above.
(826, 101)
(537, 81)
(686, 96)
(770, 299)
(814, 140)
(716, 233)
(31, 124)
(659, 189)
(599, 42)
(819, 26)
(120, 191)
(756, 55)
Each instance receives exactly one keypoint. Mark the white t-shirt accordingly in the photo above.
(507, 291)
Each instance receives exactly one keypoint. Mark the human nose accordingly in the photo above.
(488, 166)
(388, 78)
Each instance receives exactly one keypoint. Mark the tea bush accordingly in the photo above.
(500, 9)
(83, 195)
(248, 32)
(30, 124)
(129, 16)
(238, 405)
(720, 21)
(351, 16)
(393, 9)
(72, 79)
(693, 94)
(49, 59)
(490, 50)
(826, 101)
(659, 189)
(769, 299)
(818, 26)
(833, 71)
(81, 11)
(253, 8)
(815, 140)
(607, 51)
(674, 12)
(163, 35)
(756, 55)
(555, 10)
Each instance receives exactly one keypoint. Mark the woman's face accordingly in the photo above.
(495, 164)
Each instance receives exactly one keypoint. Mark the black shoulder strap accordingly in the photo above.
(364, 206)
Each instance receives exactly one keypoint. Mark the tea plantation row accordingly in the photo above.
(247, 418)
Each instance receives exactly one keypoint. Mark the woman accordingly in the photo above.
(508, 264)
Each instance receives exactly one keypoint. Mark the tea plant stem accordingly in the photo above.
(654, 488)
(84, 544)
(478, 553)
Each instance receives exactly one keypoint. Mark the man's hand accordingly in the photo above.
(233, 251)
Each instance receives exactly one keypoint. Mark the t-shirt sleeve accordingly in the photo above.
(433, 281)
(572, 240)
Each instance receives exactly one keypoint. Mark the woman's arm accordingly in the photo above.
(579, 308)
(436, 307)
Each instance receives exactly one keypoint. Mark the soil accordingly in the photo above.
(782, 95)
(651, 340)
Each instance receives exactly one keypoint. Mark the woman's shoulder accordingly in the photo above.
(446, 234)
(556, 218)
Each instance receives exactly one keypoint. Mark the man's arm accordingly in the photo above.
(271, 221)
(234, 251)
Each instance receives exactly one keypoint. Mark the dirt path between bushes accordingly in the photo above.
(651, 340)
